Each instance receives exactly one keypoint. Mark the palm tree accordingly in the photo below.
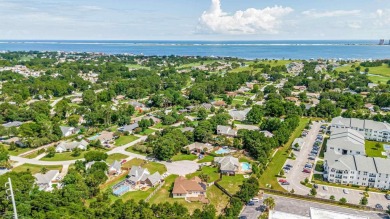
(270, 203)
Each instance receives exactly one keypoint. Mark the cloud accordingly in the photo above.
(250, 21)
(338, 13)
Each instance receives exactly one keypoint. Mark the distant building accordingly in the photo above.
(239, 115)
(12, 124)
(67, 131)
(129, 128)
(69, 146)
(226, 130)
(115, 168)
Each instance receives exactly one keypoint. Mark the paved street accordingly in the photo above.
(296, 175)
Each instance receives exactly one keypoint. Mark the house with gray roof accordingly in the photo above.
(45, 181)
(129, 128)
(372, 130)
(187, 129)
(67, 131)
(226, 130)
(142, 176)
(227, 165)
(199, 147)
(267, 134)
(239, 115)
(115, 168)
(69, 146)
(12, 124)
(153, 179)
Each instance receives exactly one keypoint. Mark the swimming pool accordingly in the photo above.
(245, 166)
(223, 151)
(93, 138)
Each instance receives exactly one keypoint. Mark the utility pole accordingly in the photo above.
(10, 193)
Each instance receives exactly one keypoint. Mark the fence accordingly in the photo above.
(154, 192)
(221, 188)
(328, 201)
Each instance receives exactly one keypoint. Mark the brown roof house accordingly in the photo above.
(189, 189)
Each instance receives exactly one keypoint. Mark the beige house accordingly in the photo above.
(189, 188)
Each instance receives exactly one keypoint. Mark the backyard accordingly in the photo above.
(277, 162)
(112, 157)
(179, 157)
(374, 149)
(212, 172)
(232, 183)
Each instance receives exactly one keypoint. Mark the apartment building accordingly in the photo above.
(372, 130)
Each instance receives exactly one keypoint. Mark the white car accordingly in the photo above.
(345, 191)
(255, 199)
(325, 188)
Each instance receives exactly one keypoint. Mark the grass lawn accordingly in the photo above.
(160, 126)
(178, 157)
(378, 78)
(244, 159)
(232, 183)
(122, 140)
(64, 156)
(154, 167)
(323, 147)
(372, 150)
(117, 157)
(219, 199)
(147, 132)
(277, 162)
(206, 158)
(34, 168)
(136, 66)
(345, 68)
(212, 172)
(383, 70)
(17, 151)
(131, 149)
(164, 195)
(32, 155)
(319, 166)
(133, 162)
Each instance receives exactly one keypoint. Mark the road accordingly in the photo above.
(296, 175)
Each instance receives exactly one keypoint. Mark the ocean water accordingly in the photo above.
(286, 49)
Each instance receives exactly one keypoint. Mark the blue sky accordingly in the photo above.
(194, 19)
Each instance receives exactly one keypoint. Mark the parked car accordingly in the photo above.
(255, 199)
(286, 168)
(289, 165)
(387, 196)
(123, 161)
(345, 191)
(306, 171)
(251, 203)
(261, 208)
(285, 183)
(315, 186)
(308, 166)
(243, 217)
(282, 180)
(311, 158)
(325, 188)
(379, 206)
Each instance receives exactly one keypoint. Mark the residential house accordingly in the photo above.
(188, 188)
(198, 147)
(239, 115)
(155, 120)
(67, 131)
(106, 137)
(115, 168)
(129, 128)
(226, 130)
(138, 106)
(227, 165)
(219, 103)
(267, 134)
(300, 88)
(141, 176)
(12, 124)
(45, 181)
(207, 106)
(187, 129)
(89, 164)
(372, 85)
(69, 146)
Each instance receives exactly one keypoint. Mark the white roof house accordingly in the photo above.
(138, 174)
(45, 181)
(239, 115)
(69, 146)
(228, 164)
(129, 128)
(226, 130)
(115, 168)
(12, 124)
(67, 131)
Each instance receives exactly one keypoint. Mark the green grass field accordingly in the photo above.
(64, 156)
(381, 73)
(184, 157)
(232, 183)
(34, 168)
(274, 167)
(206, 158)
(212, 172)
(119, 157)
(372, 150)
(17, 151)
(136, 66)
(134, 162)
(219, 199)
(122, 140)
(147, 132)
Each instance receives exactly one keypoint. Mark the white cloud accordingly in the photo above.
(250, 21)
(338, 13)
(382, 17)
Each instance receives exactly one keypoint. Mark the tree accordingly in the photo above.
(95, 156)
(378, 145)
(255, 115)
(43, 170)
(343, 200)
(202, 113)
(204, 177)
(292, 191)
(364, 200)
(89, 97)
(306, 180)
(281, 173)
(51, 151)
(332, 197)
(4, 157)
(269, 202)
(76, 152)
(313, 192)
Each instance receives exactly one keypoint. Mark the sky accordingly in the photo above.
(194, 19)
